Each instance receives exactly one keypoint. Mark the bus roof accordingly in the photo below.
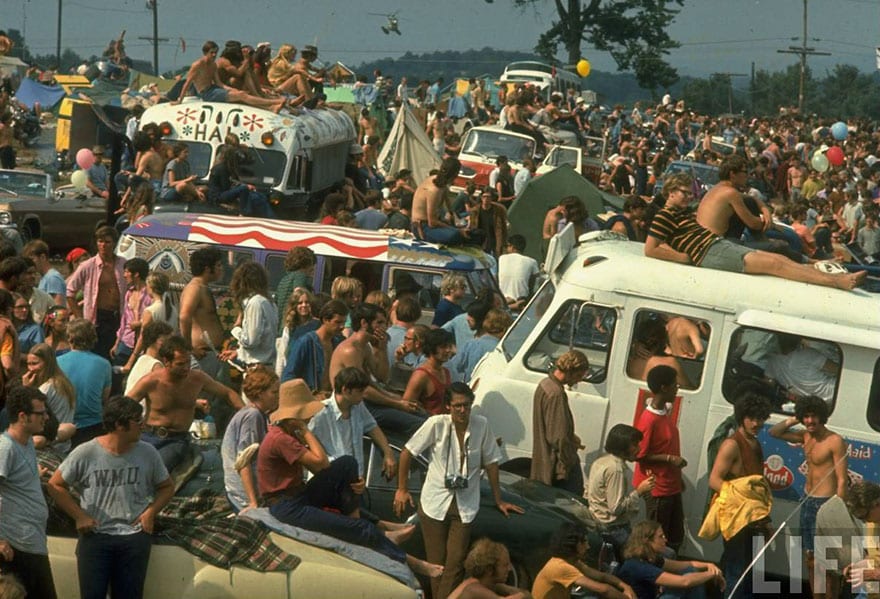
(802, 306)
(324, 240)
(210, 122)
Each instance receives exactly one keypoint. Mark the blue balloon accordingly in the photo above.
(839, 131)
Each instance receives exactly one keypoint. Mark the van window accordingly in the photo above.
(429, 281)
(874, 399)
(368, 273)
(577, 325)
(232, 259)
(783, 366)
(668, 339)
(525, 324)
(199, 157)
(275, 267)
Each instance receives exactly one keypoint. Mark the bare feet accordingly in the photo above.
(424, 568)
(400, 535)
(277, 106)
(852, 280)
(386, 525)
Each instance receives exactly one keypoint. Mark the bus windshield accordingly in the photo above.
(262, 167)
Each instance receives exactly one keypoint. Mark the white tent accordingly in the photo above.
(408, 146)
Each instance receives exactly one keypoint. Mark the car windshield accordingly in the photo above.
(491, 144)
(30, 185)
(262, 167)
(708, 175)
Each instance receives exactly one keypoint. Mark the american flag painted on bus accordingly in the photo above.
(268, 234)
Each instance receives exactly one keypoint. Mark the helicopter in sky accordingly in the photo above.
(393, 25)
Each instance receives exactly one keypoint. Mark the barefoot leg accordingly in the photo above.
(424, 568)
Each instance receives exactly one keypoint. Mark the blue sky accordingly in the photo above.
(716, 35)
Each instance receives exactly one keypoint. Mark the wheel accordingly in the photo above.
(519, 576)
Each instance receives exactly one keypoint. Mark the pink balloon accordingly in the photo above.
(834, 155)
(85, 159)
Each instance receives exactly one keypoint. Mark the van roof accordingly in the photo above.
(324, 240)
(753, 299)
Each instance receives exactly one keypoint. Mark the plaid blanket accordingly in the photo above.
(200, 524)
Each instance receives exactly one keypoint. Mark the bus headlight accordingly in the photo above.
(5, 217)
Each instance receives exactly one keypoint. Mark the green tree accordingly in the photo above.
(632, 31)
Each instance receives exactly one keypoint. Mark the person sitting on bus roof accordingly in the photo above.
(676, 236)
(203, 75)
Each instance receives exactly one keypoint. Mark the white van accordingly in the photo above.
(601, 293)
(545, 77)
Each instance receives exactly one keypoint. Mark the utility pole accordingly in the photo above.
(58, 45)
(154, 6)
(728, 76)
(804, 51)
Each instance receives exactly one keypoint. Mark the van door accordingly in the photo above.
(687, 339)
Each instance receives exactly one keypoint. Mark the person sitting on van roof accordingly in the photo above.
(676, 236)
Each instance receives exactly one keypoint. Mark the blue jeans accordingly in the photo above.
(331, 488)
(442, 235)
(172, 449)
(392, 419)
(117, 561)
(697, 592)
(238, 193)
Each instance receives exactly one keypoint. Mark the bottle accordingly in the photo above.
(209, 427)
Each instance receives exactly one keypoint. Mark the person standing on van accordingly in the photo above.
(555, 446)
(660, 455)
(102, 281)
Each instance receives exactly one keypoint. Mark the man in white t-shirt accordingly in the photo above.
(804, 370)
(516, 273)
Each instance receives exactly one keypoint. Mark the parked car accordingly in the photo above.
(30, 204)
(527, 536)
(705, 175)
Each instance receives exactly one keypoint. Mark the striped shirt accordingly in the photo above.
(678, 228)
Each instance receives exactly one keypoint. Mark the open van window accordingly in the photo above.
(525, 324)
(785, 367)
(668, 339)
(577, 325)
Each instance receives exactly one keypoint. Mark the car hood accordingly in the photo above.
(535, 496)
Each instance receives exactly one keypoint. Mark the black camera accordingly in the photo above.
(456, 482)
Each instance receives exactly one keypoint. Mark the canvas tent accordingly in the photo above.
(408, 146)
(526, 213)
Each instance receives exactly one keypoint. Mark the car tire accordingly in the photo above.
(30, 229)
(519, 576)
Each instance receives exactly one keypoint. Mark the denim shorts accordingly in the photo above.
(808, 521)
(215, 93)
(726, 255)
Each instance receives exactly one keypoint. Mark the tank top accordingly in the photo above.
(752, 461)
(433, 403)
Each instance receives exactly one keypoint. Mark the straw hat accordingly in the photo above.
(295, 400)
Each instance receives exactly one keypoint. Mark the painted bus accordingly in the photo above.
(291, 158)
(546, 78)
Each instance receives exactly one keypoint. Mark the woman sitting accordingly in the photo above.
(44, 373)
(651, 575)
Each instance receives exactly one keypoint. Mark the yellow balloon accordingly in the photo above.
(583, 67)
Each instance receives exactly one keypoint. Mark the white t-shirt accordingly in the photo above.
(802, 371)
(142, 367)
(514, 273)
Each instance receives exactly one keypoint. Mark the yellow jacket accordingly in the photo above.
(741, 501)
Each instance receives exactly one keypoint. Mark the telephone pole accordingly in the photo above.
(803, 51)
(729, 77)
(58, 45)
(154, 5)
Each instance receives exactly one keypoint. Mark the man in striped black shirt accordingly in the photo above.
(676, 236)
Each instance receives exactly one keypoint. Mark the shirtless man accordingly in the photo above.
(825, 459)
(739, 456)
(171, 397)
(368, 126)
(234, 68)
(366, 350)
(437, 132)
(795, 180)
(204, 75)
(726, 199)
(551, 226)
(430, 200)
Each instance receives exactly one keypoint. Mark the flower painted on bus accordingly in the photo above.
(184, 115)
(187, 130)
(252, 122)
(245, 136)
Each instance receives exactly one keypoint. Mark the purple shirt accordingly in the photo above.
(125, 332)
(86, 279)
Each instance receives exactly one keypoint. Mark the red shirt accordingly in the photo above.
(278, 467)
(660, 436)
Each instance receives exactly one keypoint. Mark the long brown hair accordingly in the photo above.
(638, 545)
(52, 373)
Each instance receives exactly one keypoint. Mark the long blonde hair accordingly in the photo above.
(52, 373)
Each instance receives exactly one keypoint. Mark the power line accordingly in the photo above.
(105, 9)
